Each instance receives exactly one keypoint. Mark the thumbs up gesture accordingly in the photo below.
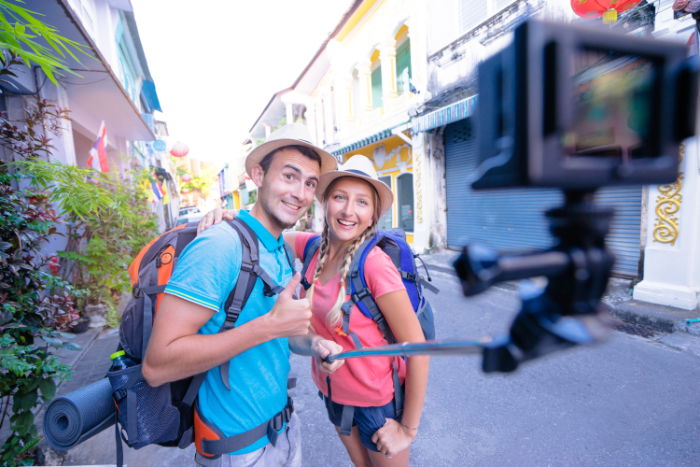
(290, 316)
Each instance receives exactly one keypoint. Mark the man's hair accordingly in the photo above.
(305, 150)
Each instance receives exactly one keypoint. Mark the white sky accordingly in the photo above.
(216, 63)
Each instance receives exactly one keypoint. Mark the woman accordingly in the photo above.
(363, 388)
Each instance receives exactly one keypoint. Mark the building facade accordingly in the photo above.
(112, 86)
(396, 81)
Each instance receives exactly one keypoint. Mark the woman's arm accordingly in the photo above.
(394, 437)
(316, 346)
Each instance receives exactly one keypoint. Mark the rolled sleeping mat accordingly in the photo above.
(79, 415)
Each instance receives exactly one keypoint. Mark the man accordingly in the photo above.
(186, 337)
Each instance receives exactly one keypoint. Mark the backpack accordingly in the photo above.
(393, 243)
(164, 415)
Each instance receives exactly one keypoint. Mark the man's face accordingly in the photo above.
(287, 189)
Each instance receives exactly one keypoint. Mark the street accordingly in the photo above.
(630, 401)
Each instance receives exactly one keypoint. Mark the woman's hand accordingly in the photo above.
(322, 348)
(215, 216)
(393, 437)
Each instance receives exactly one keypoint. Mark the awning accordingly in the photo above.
(448, 114)
(150, 96)
(374, 138)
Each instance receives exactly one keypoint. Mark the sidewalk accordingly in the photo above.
(667, 326)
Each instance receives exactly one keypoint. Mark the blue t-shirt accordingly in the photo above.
(205, 274)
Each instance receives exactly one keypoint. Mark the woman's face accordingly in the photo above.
(350, 209)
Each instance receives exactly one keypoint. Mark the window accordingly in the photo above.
(385, 222)
(377, 101)
(405, 189)
(471, 14)
(128, 73)
(403, 67)
(356, 95)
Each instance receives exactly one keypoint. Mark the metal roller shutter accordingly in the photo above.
(624, 236)
(513, 219)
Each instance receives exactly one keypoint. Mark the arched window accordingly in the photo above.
(385, 222)
(403, 61)
(377, 98)
(356, 95)
(405, 201)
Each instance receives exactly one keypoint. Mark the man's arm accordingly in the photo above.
(176, 350)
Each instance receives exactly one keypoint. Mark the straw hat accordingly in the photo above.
(292, 134)
(358, 166)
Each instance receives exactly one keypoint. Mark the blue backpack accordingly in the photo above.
(393, 243)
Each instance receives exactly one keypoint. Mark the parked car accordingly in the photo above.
(189, 214)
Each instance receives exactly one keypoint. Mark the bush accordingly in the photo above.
(107, 222)
(31, 300)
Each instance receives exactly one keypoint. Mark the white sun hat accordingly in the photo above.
(358, 166)
(288, 135)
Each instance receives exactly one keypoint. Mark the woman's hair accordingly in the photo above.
(334, 314)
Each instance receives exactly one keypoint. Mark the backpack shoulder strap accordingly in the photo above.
(309, 251)
(360, 294)
(246, 279)
(250, 271)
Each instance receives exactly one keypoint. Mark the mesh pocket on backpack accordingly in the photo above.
(146, 414)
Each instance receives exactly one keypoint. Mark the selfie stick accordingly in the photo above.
(407, 349)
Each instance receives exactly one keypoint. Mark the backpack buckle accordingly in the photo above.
(247, 266)
(136, 291)
(276, 423)
(360, 295)
(268, 291)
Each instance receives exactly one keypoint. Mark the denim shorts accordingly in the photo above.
(366, 419)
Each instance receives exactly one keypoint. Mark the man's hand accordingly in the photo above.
(290, 316)
(393, 437)
(215, 216)
(322, 348)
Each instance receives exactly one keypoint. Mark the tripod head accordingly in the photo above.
(577, 269)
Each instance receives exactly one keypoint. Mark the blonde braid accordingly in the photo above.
(335, 313)
(322, 257)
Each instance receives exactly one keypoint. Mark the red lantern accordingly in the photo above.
(186, 177)
(179, 149)
(608, 9)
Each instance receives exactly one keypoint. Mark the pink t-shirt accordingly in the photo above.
(364, 381)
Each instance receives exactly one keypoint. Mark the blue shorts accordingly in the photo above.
(366, 419)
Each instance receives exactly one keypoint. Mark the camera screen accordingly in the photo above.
(612, 104)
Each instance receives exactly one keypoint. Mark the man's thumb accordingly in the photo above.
(291, 288)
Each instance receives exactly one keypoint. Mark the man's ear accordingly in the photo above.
(257, 174)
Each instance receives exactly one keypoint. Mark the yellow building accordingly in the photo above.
(355, 96)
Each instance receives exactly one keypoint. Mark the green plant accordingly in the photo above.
(113, 317)
(107, 224)
(19, 29)
(31, 300)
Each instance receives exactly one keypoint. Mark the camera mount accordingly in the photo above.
(577, 269)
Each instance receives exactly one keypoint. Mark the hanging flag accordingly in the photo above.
(98, 152)
(166, 195)
(156, 189)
